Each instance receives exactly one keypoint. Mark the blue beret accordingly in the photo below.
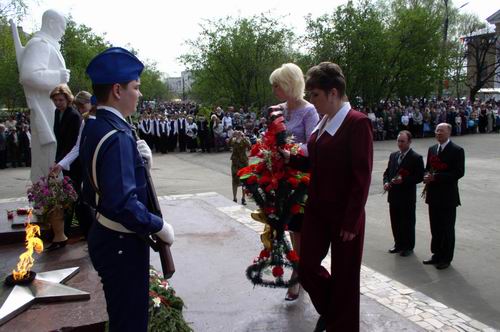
(114, 65)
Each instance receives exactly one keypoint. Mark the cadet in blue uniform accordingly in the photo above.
(115, 184)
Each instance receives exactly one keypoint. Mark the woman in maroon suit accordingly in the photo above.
(340, 161)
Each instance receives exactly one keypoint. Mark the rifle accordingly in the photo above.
(163, 249)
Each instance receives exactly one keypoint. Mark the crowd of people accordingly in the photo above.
(180, 126)
(420, 117)
(15, 142)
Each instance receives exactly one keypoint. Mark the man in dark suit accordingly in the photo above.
(404, 171)
(445, 166)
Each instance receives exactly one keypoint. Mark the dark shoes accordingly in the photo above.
(403, 253)
(235, 200)
(56, 245)
(394, 250)
(429, 262)
(438, 265)
(442, 266)
(406, 253)
(321, 324)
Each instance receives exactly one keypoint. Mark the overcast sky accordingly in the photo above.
(158, 29)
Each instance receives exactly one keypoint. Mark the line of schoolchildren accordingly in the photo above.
(167, 132)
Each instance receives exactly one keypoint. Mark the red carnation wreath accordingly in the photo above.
(280, 192)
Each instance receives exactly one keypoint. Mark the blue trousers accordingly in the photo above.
(122, 262)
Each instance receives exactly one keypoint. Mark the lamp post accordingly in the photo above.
(445, 40)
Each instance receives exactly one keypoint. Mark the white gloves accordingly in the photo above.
(166, 233)
(145, 152)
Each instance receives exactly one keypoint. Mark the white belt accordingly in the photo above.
(113, 225)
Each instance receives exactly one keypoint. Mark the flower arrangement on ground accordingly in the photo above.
(50, 196)
(51, 193)
(165, 307)
(280, 192)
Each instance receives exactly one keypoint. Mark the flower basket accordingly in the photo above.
(51, 194)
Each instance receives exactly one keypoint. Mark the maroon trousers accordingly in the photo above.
(335, 296)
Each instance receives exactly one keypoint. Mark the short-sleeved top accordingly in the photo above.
(301, 122)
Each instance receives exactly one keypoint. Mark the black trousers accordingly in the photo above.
(122, 262)
(85, 215)
(182, 142)
(403, 225)
(442, 220)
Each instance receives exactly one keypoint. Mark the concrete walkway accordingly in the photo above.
(216, 240)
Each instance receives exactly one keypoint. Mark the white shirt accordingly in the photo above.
(444, 145)
(333, 124)
(68, 159)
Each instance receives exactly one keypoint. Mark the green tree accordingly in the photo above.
(232, 59)
(355, 38)
(78, 46)
(386, 49)
(11, 92)
(414, 61)
(152, 85)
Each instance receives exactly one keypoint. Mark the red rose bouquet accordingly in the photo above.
(436, 166)
(280, 192)
(402, 173)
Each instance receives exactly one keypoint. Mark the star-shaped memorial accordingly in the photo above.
(47, 287)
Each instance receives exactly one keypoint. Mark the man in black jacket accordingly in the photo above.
(445, 166)
(404, 170)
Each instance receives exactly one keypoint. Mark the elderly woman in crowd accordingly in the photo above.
(300, 119)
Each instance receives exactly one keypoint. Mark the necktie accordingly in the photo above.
(439, 149)
(400, 158)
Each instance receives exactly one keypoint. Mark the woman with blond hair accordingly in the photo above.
(300, 119)
(66, 128)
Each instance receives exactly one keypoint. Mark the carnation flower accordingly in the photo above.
(278, 271)
(157, 302)
(252, 179)
(292, 256)
(293, 181)
(295, 209)
(264, 254)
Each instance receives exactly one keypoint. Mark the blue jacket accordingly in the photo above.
(121, 174)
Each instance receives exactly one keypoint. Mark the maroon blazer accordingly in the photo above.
(341, 168)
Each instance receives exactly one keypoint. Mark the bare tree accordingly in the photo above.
(483, 63)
